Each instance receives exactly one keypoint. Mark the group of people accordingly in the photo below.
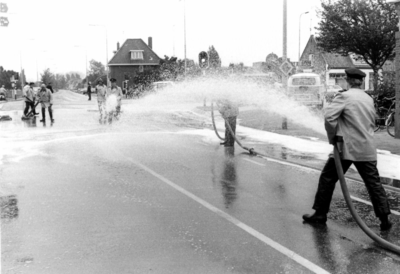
(109, 101)
(44, 96)
(349, 123)
(3, 93)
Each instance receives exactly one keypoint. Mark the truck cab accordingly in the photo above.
(307, 89)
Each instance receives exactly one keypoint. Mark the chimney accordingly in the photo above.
(150, 43)
(117, 46)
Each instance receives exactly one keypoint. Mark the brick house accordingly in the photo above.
(331, 66)
(133, 58)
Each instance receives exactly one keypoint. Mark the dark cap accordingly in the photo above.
(113, 80)
(31, 83)
(355, 73)
(100, 81)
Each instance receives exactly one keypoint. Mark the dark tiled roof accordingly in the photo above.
(338, 61)
(123, 55)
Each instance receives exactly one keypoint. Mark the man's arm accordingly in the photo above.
(332, 114)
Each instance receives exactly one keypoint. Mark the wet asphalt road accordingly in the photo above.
(150, 195)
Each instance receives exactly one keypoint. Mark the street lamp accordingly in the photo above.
(300, 31)
(105, 28)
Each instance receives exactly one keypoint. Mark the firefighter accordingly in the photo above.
(45, 98)
(101, 90)
(229, 112)
(350, 118)
(114, 98)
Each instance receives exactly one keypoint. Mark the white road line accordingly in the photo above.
(290, 164)
(278, 247)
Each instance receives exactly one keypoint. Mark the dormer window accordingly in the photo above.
(136, 54)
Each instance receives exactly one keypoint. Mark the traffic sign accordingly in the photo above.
(4, 21)
(3, 7)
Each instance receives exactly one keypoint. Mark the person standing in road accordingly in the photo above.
(114, 98)
(101, 100)
(89, 91)
(46, 99)
(350, 120)
(229, 112)
(27, 93)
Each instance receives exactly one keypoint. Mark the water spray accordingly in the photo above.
(385, 244)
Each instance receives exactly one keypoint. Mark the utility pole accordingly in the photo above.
(184, 30)
(397, 60)
(284, 54)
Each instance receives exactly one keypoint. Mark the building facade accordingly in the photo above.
(331, 66)
(133, 58)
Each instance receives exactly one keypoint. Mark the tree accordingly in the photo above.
(96, 70)
(363, 27)
(213, 56)
(47, 77)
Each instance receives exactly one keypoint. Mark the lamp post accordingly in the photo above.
(105, 28)
(300, 31)
(184, 30)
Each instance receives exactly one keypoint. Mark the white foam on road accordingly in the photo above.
(388, 164)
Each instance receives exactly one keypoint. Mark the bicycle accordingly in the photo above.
(390, 123)
(383, 114)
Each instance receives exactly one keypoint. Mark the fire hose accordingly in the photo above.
(385, 244)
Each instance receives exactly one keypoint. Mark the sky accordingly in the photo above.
(65, 35)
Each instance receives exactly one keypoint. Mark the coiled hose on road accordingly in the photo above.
(385, 244)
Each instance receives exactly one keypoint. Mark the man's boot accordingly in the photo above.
(316, 218)
(385, 223)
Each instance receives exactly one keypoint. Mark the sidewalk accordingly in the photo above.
(263, 120)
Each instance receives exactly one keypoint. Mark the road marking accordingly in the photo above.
(278, 247)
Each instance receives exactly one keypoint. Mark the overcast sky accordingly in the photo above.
(56, 34)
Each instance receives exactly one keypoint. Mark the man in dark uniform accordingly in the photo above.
(89, 91)
(351, 118)
(229, 112)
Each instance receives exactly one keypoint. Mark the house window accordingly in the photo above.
(311, 59)
(136, 54)
(141, 68)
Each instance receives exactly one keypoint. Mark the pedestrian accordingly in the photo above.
(114, 98)
(50, 88)
(46, 100)
(89, 91)
(229, 112)
(27, 93)
(3, 93)
(351, 118)
(101, 91)
(35, 99)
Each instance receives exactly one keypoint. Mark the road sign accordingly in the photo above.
(3, 7)
(286, 67)
(4, 21)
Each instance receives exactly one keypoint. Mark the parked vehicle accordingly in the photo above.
(160, 85)
(307, 89)
(331, 91)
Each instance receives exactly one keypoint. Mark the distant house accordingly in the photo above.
(331, 66)
(133, 58)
